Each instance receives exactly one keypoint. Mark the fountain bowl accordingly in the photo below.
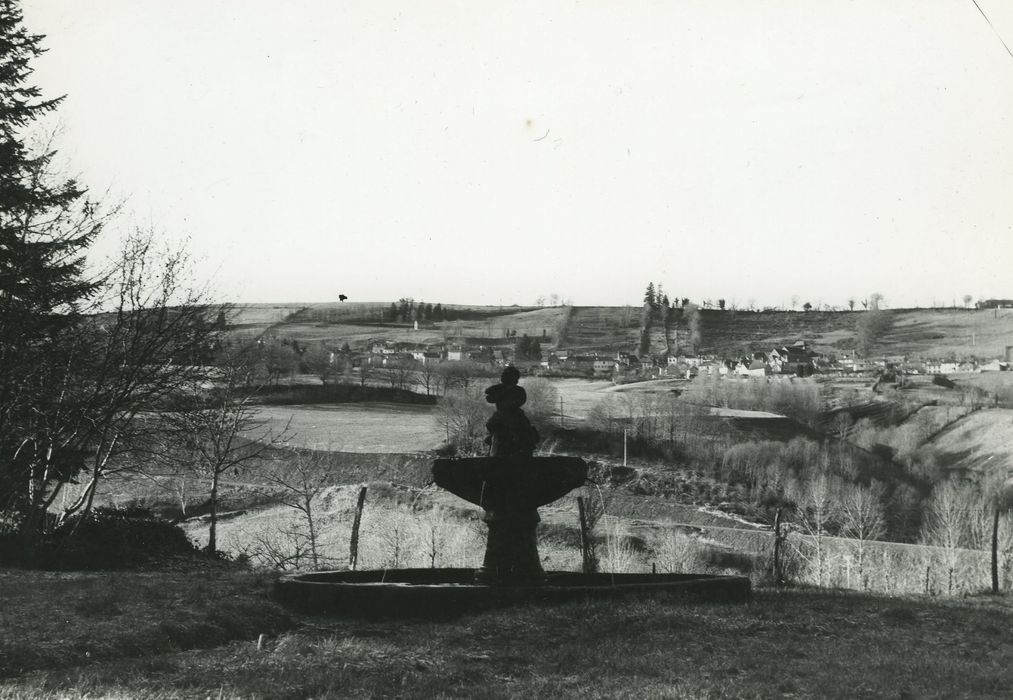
(445, 593)
(510, 483)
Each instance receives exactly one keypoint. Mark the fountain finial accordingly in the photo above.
(510, 432)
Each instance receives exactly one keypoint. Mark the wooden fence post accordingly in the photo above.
(589, 565)
(353, 545)
(778, 578)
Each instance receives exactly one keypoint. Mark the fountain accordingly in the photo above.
(509, 485)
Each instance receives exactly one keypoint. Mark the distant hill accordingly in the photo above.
(929, 333)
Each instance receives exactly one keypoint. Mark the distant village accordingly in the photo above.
(795, 360)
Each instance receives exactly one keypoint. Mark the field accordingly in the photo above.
(172, 636)
(998, 384)
(360, 427)
(389, 427)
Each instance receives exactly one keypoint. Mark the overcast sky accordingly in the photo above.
(492, 152)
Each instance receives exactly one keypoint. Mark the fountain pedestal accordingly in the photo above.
(511, 551)
(510, 490)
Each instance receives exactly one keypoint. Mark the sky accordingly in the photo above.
(491, 153)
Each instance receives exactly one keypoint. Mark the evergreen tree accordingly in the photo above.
(528, 348)
(649, 294)
(46, 224)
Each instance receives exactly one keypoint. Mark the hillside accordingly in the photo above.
(357, 324)
(928, 333)
(980, 442)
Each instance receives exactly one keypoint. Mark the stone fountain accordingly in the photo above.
(509, 484)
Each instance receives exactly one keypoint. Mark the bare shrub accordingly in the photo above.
(444, 541)
(542, 402)
(386, 539)
(677, 552)
(619, 556)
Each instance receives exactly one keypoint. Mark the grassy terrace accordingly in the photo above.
(194, 634)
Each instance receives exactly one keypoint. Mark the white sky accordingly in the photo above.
(491, 152)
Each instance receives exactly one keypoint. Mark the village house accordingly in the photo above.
(381, 347)
(709, 367)
(942, 367)
(426, 358)
(690, 360)
(758, 368)
(994, 366)
(580, 363)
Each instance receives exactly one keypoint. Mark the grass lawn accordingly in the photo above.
(796, 644)
(51, 620)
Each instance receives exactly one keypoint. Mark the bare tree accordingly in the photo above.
(301, 480)
(216, 429)
(147, 338)
(862, 518)
(947, 523)
(278, 359)
(463, 413)
(400, 374)
(320, 361)
(817, 507)
(428, 378)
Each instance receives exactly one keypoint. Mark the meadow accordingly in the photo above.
(186, 636)
(358, 427)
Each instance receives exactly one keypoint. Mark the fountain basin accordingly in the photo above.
(441, 593)
(510, 483)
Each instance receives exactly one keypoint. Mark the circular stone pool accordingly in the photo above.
(448, 592)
